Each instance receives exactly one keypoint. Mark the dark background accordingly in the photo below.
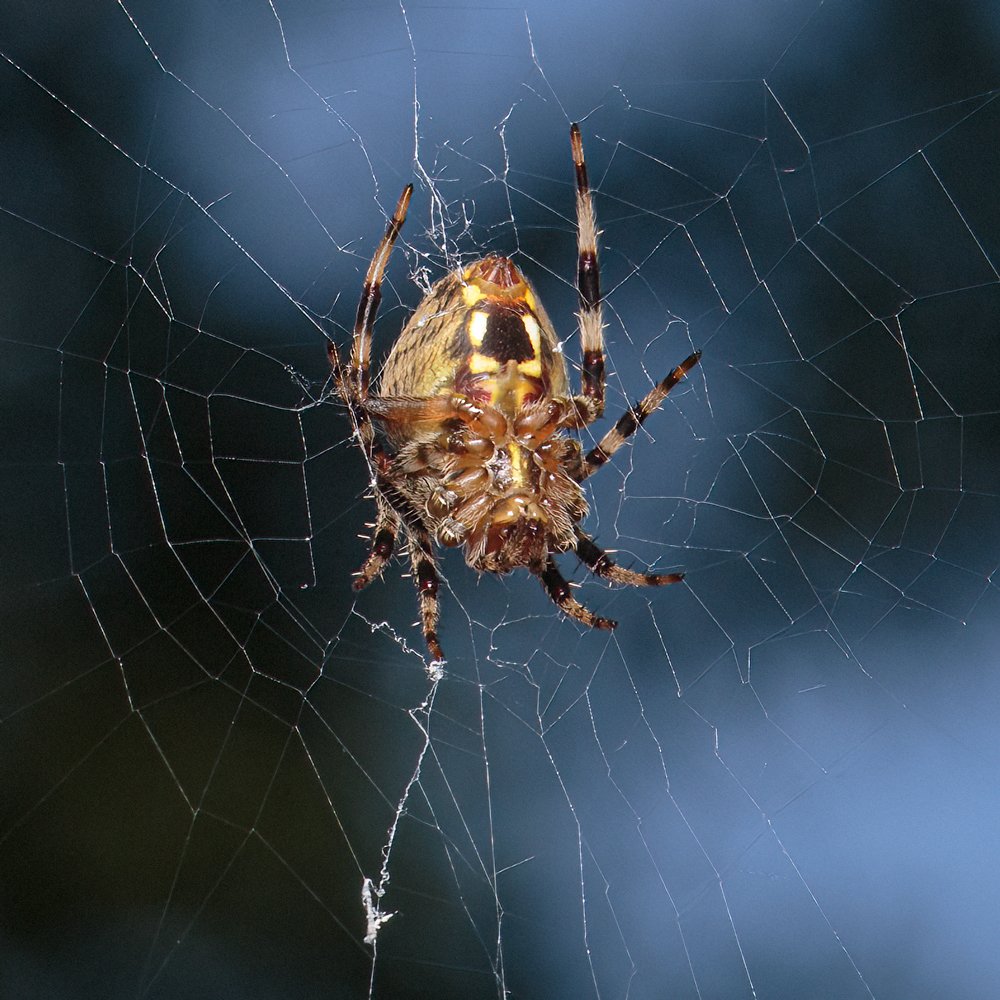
(777, 779)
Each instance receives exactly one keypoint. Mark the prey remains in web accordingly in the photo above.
(466, 431)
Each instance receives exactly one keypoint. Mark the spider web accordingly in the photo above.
(224, 774)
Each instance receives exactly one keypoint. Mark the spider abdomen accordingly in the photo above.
(480, 332)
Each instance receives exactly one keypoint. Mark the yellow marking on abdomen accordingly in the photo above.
(533, 367)
(534, 334)
(481, 364)
(470, 293)
(478, 323)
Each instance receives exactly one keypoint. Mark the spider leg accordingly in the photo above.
(559, 590)
(602, 565)
(412, 409)
(630, 421)
(588, 282)
(371, 294)
(352, 381)
(428, 583)
(386, 529)
(485, 421)
(393, 510)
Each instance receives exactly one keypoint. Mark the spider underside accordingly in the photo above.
(465, 432)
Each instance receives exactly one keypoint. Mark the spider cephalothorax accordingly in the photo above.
(466, 432)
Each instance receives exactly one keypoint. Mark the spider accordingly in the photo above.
(465, 433)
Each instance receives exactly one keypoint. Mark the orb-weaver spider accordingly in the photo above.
(465, 431)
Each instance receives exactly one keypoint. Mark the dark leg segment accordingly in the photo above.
(428, 583)
(630, 421)
(383, 543)
(602, 565)
(559, 590)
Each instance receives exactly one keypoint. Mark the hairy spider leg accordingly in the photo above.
(371, 294)
(353, 387)
(560, 592)
(384, 531)
(383, 544)
(602, 565)
(428, 583)
(633, 418)
(353, 383)
(588, 283)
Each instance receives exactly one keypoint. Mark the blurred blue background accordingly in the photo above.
(776, 779)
